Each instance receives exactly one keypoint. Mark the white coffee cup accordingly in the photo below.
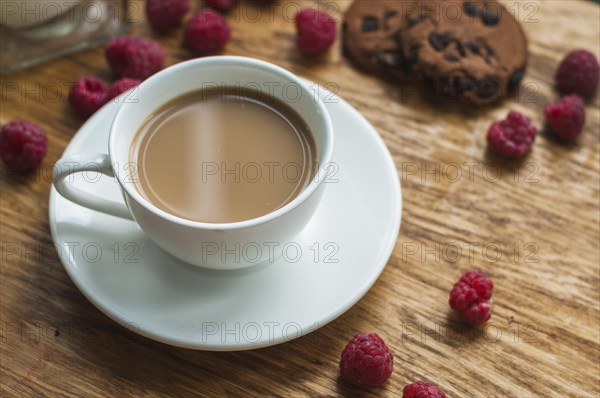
(191, 240)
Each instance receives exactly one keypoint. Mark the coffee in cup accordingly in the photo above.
(223, 155)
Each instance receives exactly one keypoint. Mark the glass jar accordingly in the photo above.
(33, 31)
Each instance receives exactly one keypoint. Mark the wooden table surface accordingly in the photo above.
(532, 225)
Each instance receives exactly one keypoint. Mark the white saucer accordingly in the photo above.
(141, 287)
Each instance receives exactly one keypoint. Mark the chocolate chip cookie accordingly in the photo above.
(470, 50)
(366, 24)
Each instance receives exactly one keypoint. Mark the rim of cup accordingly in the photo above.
(316, 181)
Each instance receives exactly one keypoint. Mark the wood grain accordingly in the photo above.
(532, 225)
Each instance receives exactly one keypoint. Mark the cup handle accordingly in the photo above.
(87, 162)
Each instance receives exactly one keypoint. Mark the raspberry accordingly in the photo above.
(566, 116)
(513, 136)
(88, 94)
(166, 14)
(578, 73)
(366, 361)
(134, 57)
(120, 86)
(316, 31)
(422, 389)
(222, 5)
(470, 297)
(23, 145)
(206, 31)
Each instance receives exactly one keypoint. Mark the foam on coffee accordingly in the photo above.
(223, 155)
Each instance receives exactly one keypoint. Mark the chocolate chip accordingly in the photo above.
(490, 16)
(390, 13)
(473, 47)
(370, 24)
(515, 79)
(412, 21)
(439, 41)
(460, 48)
(463, 84)
(450, 57)
(470, 8)
(486, 89)
(489, 49)
(412, 59)
(391, 59)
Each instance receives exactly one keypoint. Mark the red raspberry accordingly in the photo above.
(422, 389)
(513, 136)
(88, 94)
(578, 73)
(166, 14)
(366, 361)
(222, 5)
(206, 31)
(316, 31)
(134, 57)
(23, 145)
(120, 86)
(470, 297)
(566, 116)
